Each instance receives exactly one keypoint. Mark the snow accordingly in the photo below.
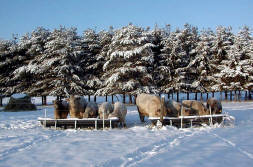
(24, 142)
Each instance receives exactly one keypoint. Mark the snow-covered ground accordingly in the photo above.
(23, 142)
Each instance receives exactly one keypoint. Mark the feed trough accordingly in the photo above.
(75, 123)
(190, 121)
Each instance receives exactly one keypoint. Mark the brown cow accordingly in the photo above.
(197, 107)
(148, 105)
(173, 109)
(119, 111)
(77, 106)
(91, 110)
(214, 105)
(61, 109)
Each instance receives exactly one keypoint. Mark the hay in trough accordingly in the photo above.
(20, 102)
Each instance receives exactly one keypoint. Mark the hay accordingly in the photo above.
(21, 103)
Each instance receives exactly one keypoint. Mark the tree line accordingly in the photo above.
(128, 60)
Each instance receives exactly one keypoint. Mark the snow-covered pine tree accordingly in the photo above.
(182, 54)
(205, 80)
(31, 45)
(12, 57)
(58, 70)
(165, 66)
(223, 63)
(129, 66)
(161, 72)
(242, 54)
(93, 62)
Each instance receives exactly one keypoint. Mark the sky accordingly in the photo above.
(22, 16)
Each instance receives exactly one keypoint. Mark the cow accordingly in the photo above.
(77, 105)
(61, 109)
(91, 110)
(214, 105)
(104, 110)
(120, 112)
(149, 105)
(175, 109)
(197, 107)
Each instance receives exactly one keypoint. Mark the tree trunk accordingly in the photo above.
(106, 98)
(212, 94)
(130, 99)
(220, 96)
(124, 98)
(168, 96)
(196, 96)
(246, 95)
(172, 96)
(250, 94)
(207, 96)
(95, 99)
(188, 96)
(177, 96)
(231, 96)
(112, 100)
(89, 98)
(201, 96)
(226, 95)
(1, 101)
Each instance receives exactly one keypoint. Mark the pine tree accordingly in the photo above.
(128, 68)
(223, 62)
(182, 53)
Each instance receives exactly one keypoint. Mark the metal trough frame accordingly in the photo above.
(75, 122)
(189, 121)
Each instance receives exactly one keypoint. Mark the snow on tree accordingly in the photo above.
(163, 71)
(93, 62)
(242, 55)
(183, 44)
(31, 46)
(129, 63)
(57, 70)
(223, 63)
(204, 77)
(12, 57)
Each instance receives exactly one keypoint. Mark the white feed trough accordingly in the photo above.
(190, 121)
(79, 123)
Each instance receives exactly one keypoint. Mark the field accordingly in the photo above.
(24, 142)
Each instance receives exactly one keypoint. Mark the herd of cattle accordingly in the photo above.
(147, 105)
